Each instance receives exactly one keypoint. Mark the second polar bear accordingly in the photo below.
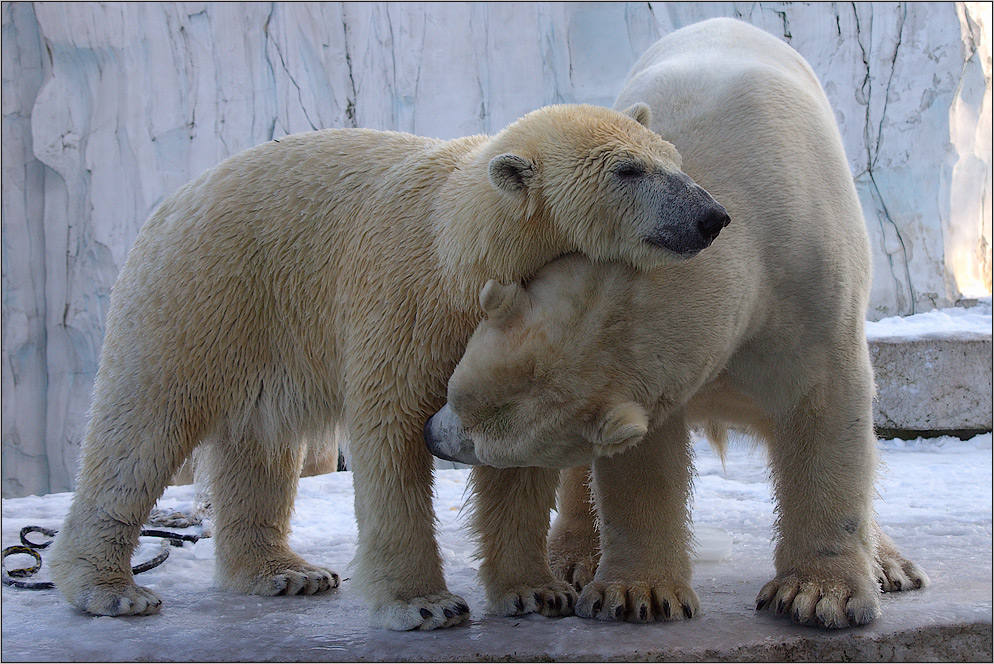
(331, 277)
(763, 330)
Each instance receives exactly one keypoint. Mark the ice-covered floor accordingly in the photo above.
(934, 500)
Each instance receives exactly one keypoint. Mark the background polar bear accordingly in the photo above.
(762, 330)
(331, 276)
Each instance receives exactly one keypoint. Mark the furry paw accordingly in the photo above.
(117, 600)
(173, 518)
(296, 580)
(824, 603)
(431, 612)
(574, 553)
(638, 602)
(91, 581)
(553, 599)
(280, 575)
(577, 570)
(895, 573)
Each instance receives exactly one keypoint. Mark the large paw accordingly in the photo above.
(574, 553)
(825, 603)
(299, 579)
(552, 599)
(638, 602)
(573, 567)
(432, 612)
(117, 600)
(91, 581)
(895, 573)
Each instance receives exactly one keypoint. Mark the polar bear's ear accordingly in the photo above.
(498, 300)
(639, 112)
(510, 173)
(621, 427)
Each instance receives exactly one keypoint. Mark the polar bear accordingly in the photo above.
(328, 277)
(764, 330)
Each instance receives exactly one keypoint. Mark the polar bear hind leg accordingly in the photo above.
(90, 559)
(574, 547)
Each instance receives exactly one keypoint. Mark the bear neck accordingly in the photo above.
(482, 233)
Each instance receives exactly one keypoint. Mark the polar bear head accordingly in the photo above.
(547, 379)
(575, 178)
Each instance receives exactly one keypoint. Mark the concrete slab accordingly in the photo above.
(932, 386)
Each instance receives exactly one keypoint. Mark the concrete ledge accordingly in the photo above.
(932, 386)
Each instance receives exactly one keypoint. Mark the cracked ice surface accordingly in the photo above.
(934, 500)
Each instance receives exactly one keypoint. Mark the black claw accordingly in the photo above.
(539, 600)
(687, 611)
(619, 612)
(666, 609)
(781, 605)
(643, 612)
(897, 585)
(595, 609)
(558, 603)
(518, 604)
(425, 613)
(462, 607)
(569, 600)
(448, 613)
(762, 604)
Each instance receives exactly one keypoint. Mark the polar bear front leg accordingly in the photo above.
(574, 547)
(644, 572)
(253, 494)
(399, 568)
(511, 519)
(823, 462)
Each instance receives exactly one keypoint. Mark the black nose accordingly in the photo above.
(712, 223)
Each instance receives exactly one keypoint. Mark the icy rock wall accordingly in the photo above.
(108, 108)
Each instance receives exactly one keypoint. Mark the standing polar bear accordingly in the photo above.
(764, 330)
(332, 276)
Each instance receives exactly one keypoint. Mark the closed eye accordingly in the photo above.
(629, 171)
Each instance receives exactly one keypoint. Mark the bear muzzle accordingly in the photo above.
(446, 439)
(689, 218)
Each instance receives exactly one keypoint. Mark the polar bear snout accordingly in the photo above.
(688, 218)
(446, 439)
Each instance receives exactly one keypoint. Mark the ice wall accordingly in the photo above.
(108, 108)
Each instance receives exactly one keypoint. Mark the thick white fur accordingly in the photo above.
(763, 330)
(320, 278)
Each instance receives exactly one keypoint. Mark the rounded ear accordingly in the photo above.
(639, 112)
(510, 173)
(498, 300)
(620, 428)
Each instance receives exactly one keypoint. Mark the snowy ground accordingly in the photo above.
(934, 500)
